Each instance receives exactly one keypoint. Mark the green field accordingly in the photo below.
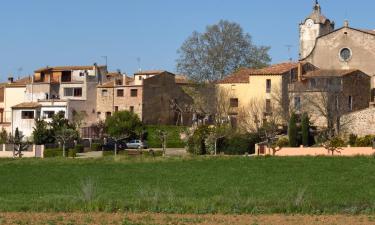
(313, 185)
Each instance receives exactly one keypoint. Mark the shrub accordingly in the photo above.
(352, 139)
(53, 152)
(196, 142)
(365, 141)
(305, 130)
(173, 136)
(238, 144)
(72, 153)
(96, 147)
(282, 142)
(79, 148)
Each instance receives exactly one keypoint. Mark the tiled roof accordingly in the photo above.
(181, 79)
(20, 82)
(242, 75)
(329, 73)
(66, 68)
(27, 105)
(149, 72)
(109, 84)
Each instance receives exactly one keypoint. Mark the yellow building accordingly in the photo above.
(255, 95)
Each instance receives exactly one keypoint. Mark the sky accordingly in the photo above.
(146, 34)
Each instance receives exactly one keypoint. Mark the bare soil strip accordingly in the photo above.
(173, 219)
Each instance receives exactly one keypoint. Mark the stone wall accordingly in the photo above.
(361, 123)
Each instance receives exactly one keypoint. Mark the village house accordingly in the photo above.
(257, 94)
(52, 90)
(155, 96)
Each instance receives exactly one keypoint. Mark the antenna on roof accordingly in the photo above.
(139, 64)
(19, 70)
(289, 47)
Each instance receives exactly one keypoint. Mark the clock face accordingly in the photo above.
(309, 22)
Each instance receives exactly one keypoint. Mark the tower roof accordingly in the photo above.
(317, 15)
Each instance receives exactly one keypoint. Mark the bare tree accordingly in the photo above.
(220, 50)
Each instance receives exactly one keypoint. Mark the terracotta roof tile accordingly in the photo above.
(242, 75)
(149, 72)
(27, 105)
(109, 84)
(65, 68)
(329, 73)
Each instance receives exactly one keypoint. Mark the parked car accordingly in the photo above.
(137, 144)
(110, 145)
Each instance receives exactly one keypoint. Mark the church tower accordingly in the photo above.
(311, 28)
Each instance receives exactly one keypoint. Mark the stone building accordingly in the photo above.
(345, 48)
(155, 96)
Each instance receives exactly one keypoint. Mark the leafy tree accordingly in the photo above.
(335, 144)
(279, 145)
(19, 144)
(41, 132)
(218, 132)
(99, 129)
(219, 51)
(305, 128)
(78, 119)
(122, 125)
(292, 131)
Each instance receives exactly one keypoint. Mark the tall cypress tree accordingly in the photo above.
(292, 131)
(305, 128)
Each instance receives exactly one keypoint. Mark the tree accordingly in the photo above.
(219, 51)
(279, 145)
(3, 136)
(217, 132)
(333, 145)
(78, 119)
(19, 144)
(41, 133)
(305, 128)
(99, 129)
(122, 125)
(163, 135)
(292, 131)
(65, 134)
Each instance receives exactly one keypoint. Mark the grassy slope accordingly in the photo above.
(227, 185)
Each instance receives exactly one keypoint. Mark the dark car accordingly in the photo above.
(110, 145)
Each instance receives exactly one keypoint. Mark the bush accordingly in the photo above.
(96, 147)
(282, 142)
(72, 153)
(238, 144)
(293, 132)
(196, 142)
(79, 148)
(53, 152)
(173, 136)
(365, 141)
(352, 139)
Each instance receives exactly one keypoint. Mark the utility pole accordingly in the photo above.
(289, 47)
(106, 60)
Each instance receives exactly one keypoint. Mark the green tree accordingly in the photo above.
(292, 131)
(305, 128)
(65, 134)
(19, 144)
(41, 132)
(122, 125)
(219, 51)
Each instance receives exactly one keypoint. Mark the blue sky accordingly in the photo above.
(36, 33)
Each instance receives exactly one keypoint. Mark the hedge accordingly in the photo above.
(173, 137)
(79, 148)
(238, 144)
(53, 152)
(96, 147)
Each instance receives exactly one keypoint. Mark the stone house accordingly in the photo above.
(327, 95)
(152, 95)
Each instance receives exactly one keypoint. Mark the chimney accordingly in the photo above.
(346, 23)
(299, 72)
(10, 79)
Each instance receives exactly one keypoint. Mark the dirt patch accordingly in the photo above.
(162, 219)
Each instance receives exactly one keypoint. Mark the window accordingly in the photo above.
(268, 106)
(234, 102)
(108, 114)
(312, 83)
(77, 92)
(68, 91)
(66, 76)
(27, 115)
(104, 93)
(131, 108)
(118, 82)
(116, 108)
(345, 54)
(133, 92)
(350, 103)
(297, 103)
(48, 114)
(139, 77)
(120, 93)
(268, 85)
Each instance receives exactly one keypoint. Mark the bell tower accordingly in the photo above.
(311, 28)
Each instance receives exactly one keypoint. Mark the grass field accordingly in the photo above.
(234, 185)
